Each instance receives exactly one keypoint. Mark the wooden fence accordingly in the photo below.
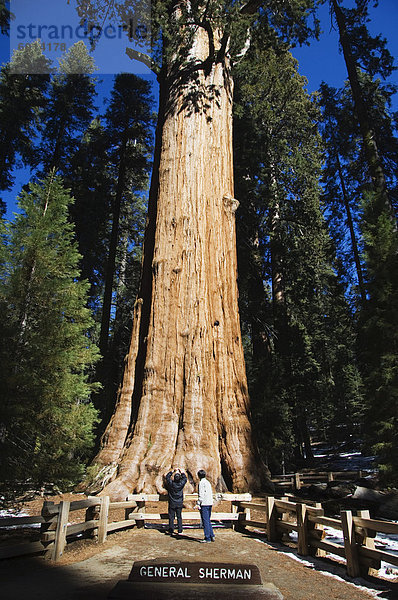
(358, 548)
(296, 481)
(276, 517)
(55, 528)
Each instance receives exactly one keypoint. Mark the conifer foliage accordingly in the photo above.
(369, 178)
(47, 418)
(304, 379)
(22, 98)
(69, 108)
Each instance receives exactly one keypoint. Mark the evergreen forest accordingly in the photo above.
(316, 234)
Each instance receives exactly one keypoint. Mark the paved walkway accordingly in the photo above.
(93, 578)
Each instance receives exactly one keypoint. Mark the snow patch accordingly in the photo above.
(10, 512)
(14, 513)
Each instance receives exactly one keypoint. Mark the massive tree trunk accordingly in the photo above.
(186, 372)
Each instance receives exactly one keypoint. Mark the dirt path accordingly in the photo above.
(93, 577)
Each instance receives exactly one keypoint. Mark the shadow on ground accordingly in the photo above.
(94, 577)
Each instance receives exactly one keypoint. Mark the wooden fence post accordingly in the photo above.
(272, 517)
(284, 517)
(235, 509)
(103, 519)
(330, 476)
(350, 544)
(247, 515)
(316, 530)
(128, 511)
(141, 509)
(302, 524)
(60, 533)
(49, 525)
(297, 482)
(92, 513)
(370, 567)
(243, 516)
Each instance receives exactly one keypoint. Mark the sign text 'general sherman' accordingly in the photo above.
(208, 573)
(196, 573)
(163, 579)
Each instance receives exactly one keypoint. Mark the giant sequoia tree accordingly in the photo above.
(184, 398)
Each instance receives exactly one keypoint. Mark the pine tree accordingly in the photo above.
(4, 17)
(69, 109)
(23, 85)
(108, 175)
(342, 189)
(127, 122)
(47, 417)
(298, 379)
(346, 175)
(89, 177)
(356, 44)
(365, 57)
(379, 336)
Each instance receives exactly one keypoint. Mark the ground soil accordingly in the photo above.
(88, 570)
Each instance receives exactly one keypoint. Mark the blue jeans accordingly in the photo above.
(205, 513)
(175, 510)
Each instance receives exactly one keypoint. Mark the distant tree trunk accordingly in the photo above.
(369, 139)
(354, 245)
(261, 345)
(188, 383)
(276, 261)
(111, 261)
(56, 155)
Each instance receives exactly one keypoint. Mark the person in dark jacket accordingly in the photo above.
(175, 481)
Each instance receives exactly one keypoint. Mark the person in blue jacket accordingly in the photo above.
(175, 482)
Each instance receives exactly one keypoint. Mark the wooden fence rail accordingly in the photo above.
(358, 548)
(55, 528)
(277, 517)
(296, 481)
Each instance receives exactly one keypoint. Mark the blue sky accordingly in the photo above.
(321, 61)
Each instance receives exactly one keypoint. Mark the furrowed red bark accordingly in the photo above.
(190, 397)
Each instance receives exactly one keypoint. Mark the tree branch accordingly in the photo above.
(143, 58)
(251, 7)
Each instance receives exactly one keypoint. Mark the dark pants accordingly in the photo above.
(175, 511)
(205, 513)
